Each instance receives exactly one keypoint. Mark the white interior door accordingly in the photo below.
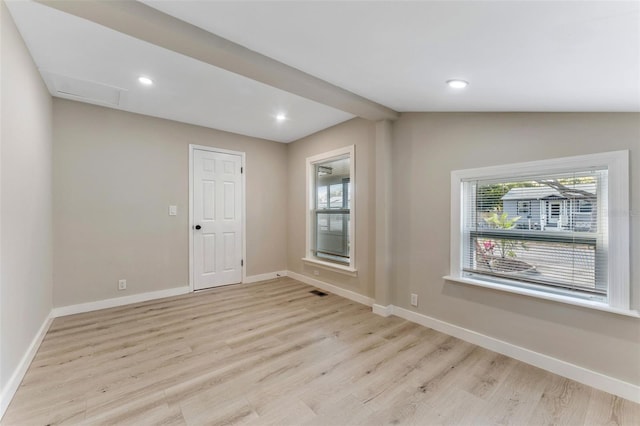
(217, 219)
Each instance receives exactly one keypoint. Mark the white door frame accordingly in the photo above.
(243, 225)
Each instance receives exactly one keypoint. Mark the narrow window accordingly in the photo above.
(330, 222)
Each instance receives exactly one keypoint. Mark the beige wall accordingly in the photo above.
(427, 147)
(25, 194)
(360, 133)
(116, 173)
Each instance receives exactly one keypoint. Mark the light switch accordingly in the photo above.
(173, 210)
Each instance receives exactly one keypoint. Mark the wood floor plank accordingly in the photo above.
(563, 402)
(288, 411)
(273, 353)
(516, 397)
(606, 409)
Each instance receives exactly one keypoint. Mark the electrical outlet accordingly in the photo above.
(122, 284)
(414, 299)
(316, 272)
(173, 210)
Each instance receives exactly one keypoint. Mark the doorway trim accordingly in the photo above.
(192, 148)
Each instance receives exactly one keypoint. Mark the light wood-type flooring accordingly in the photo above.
(273, 353)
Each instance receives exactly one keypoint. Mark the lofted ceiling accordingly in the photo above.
(516, 55)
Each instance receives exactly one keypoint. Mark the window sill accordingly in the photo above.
(343, 269)
(540, 295)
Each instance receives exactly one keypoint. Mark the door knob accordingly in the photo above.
(198, 227)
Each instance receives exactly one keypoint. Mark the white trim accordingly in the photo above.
(617, 164)
(117, 301)
(336, 267)
(553, 165)
(243, 178)
(457, 234)
(263, 277)
(190, 216)
(310, 189)
(383, 311)
(565, 369)
(18, 374)
(330, 155)
(619, 244)
(347, 294)
(545, 295)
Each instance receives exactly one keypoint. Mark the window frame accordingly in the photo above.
(521, 210)
(310, 257)
(617, 193)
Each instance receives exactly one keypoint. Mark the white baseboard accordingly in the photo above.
(383, 311)
(574, 372)
(16, 378)
(263, 277)
(117, 301)
(347, 294)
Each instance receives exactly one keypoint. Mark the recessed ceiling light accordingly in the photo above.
(145, 80)
(281, 117)
(457, 84)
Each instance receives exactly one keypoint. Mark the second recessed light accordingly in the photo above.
(457, 84)
(281, 117)
(145, 80)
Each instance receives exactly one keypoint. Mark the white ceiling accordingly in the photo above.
(185, 89)
(517, 56)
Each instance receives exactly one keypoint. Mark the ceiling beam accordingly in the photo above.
(146, 23)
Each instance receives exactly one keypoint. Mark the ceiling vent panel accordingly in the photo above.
(81, 90)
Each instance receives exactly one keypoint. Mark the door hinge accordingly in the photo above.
(241, 170)
(242, 262)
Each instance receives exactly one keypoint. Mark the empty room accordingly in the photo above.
(319, 212)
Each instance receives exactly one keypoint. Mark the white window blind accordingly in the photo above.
(332, 209)
(544, 231)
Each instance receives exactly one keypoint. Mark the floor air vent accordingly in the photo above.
(318, 293)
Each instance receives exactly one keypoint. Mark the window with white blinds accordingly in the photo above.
(555, 228)
(546, 230)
